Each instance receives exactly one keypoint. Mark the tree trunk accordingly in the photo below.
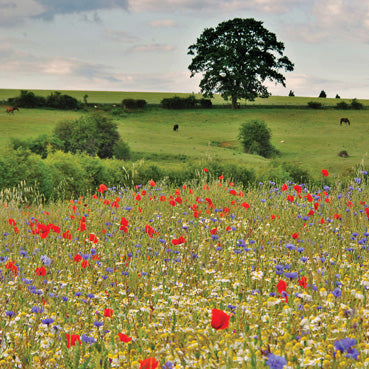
(235, 105)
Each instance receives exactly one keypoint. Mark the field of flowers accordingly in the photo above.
(202, 276)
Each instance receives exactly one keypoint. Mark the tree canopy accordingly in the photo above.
(237, 58)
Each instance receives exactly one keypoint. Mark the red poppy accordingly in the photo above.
(290, 198)
(311, 213)
(219, 319)
(124, 338)
(221, 177)
(149, 363)
(108, 313)
(281, 286)
(295, 235)
(297, 188)
(12, 222)
(152, 183)
(367, 212)
(78, 257)
(303, 282)
(67, 235)
(93, 238)
(72, 339)
(213, 231)
(178, 241)
(339, 216)
(205, 170)
(10, 265)
(150, 231)
(321, 221)
(85, 264)
(325, 172)
(284, 187)
(316, 206)
(245, 205)
(41, 271)
(102, 188)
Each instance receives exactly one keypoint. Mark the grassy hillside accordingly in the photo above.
(312, 138)
(116, 97)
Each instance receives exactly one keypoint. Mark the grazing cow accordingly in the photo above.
(10, 109)
(175, 128)
(344, 120)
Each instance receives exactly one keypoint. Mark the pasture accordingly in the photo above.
(311, 138)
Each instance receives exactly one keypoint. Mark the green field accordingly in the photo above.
(116, 97)
(312, 138)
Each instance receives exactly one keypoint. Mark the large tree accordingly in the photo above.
(236, 58)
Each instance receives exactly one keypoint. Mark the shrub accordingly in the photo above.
(338, 96)
(132, 104)
(255, 137)
(206, 104)
(355, 104)
(27, 99)
(94, 134)
(177, 102)
(65, 102)
(314, 105)
(322, 94)
(121, 150)
(342, 105)
(291, 93)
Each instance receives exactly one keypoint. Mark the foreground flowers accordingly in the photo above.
(212, 276)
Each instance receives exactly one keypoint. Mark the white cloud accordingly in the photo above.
(121, 36)
(213, 6)
(151, 48)
(332, 19)
(165, 23)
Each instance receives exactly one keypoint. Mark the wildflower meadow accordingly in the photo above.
(206, 275)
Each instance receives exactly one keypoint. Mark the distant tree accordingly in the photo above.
(291, 93)
(236, 58)
(255, 137)
(355, 104)
(338, 96)
(322, 94)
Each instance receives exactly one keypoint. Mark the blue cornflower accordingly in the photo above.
(291, 275)
(337, 292)
(98, 324)
(47, 321)
(46, 260)
(10, 313)
(345, 344)
(290, 246)
(87, 339)
(276, 362)
(37, 310)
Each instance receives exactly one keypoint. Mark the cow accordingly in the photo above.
(11, 109)
(344, 120)
(175, 128)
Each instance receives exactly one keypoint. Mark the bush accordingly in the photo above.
(132, 104)
(342, 105)
(189, 102)
(355, 104)
(121, 150)
(255, 137)
(65, 102)
(206, 104)
(94, 134)
(314, 105)
(291, 93)
(338, 96)
(322, 94)
(27, 100)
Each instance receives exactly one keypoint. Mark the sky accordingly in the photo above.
(142, 45)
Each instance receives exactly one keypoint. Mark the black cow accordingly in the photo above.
(344, 120)
(175, 128)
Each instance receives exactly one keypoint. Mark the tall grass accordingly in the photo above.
(162, 258)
